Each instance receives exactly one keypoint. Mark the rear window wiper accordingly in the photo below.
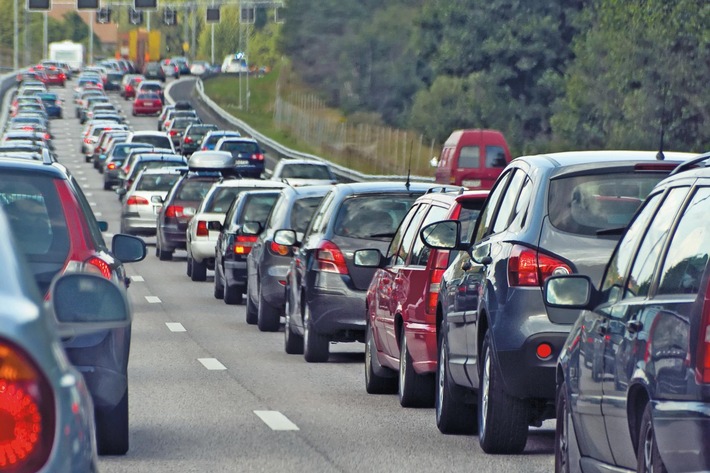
(618, 231)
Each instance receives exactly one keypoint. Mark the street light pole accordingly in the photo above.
(92, 19)
(46, 36)
(16, 37)
(212, 47)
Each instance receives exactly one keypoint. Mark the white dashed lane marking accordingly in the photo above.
(212, 364)
(137, 279)
(175, 327)
(153, 299)
(276, 420)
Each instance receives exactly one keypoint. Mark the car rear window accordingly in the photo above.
(303, 211)
(221, 199)
(470, 157)
(305, 171)
(257, 208)
(590, 203)
(154, 140)
(193, 189)
(241, 147)
(372, 217)
(157, 182)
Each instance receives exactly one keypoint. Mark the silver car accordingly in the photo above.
(144, 199)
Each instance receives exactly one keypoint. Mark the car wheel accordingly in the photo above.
(562, 438)
(188, 269)
(374, 383)
(649, 458)
(268, 318)
(415, 390)
(198, 271)
(107, 186)
(112, 429)
(252, 312)
(218, 285)
(232, 295)
(502, 419)
(453, 414)
(164, 255)
(293, 342)
(316, 347)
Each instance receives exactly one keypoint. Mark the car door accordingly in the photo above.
(622, 334)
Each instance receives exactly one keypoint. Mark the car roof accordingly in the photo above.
(570, 158)
(382, 187)
(251, 183)
(53, 169)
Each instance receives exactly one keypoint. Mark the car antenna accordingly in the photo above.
(660, 156)
(409, 166)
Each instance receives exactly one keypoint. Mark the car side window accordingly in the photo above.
(402, 253)
(397, 239)
(649, 253)
(420, 252)
(486, 217)
(689, 250)
(508, 202)
(522, 206)
(621, 260)
(318, 221)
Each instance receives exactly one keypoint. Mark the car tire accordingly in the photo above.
(502, 419)
(562, 432)
(112, 428)
(107, 186)
(232, 295)
(218, 285)
(453, 414)
(293, 342)
(374, 383)
(268, 317)
(649, 458)
(252, 312)
(164, 255)
(188, 269)
(316, 347)
(199, 271)
(415, 390)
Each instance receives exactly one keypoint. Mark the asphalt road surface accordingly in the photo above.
(209, 393)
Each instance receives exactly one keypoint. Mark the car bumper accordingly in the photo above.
(422, 346)
(147, 110)
(250, 170)
(136, 225)
(337, 310)
(235, 273)
(173, 237)
(682, 432)
(202, 250)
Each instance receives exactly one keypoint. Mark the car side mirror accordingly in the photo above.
(286, 237)
(369, 258)
(444, 235)
(128, 248)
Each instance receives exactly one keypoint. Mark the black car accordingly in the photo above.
(325, 291)
(154, 71)
(192, 137)
(546, 215)
(113, 81)
(633, 375)
(115, 159)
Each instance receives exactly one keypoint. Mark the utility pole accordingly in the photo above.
(212, 47)
(92, 19)
(193, 45)
(45, 28)
(16, 37)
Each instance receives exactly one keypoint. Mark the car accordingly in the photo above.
(114, 80)
(198, 68)
(170, 69)
(639, 355)
(203, 230)
(115, 159)
(157, 139)
(129, 89)
(92, 134)
(55, 76)
(193, 136)
(88, 103)
(144, 199)
(182, 63)
(267, 263)
(47, 411)
(153, 71)
(147, 103)
(124, 83)
(212, 137)
(181, 203)
(57, 232)
(548, 214)
(52, 104)
(301, 172)
(140, 160)
(401, 301)
(106, 140)
(165, 120)
(177, 128)
(152, 86)
(247, 153)
(325, 291)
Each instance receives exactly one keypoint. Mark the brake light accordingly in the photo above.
(111, 166)
(46, 136)
(98, 266)
(243, 244)
(257, 156)
(27, 415)
(528, 267)
(441, 259)
(87, 141)
(174, 211)
(202, 230)
(137, 200)
(173, 132)
(281, 250)
(702, 359)
(329, 258)
(188, 139)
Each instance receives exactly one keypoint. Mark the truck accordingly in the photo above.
(69, 52)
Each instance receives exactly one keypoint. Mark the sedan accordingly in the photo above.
(147, 104)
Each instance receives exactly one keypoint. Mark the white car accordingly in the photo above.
(203, 230)
(158, 139)
(303, 172)
(144, 199)
(198, 68)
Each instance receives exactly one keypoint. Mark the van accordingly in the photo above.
(472, 158)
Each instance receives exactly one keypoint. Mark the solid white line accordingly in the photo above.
(175, 327)
(153, 299)
(276, 420)
(137, 279)
(212, 363)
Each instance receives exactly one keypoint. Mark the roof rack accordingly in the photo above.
(445, 188)
(691, 163)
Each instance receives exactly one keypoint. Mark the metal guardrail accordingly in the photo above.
(7, 82)
(276, 148)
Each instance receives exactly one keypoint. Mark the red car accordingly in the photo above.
(401, 343)
(55, 76)
(129, 91)
(147, 104)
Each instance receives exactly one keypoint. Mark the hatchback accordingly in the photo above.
(147, 103)
(177, 128)
(325, 290)
(546, 215)
(52, 104)
(154, 71)
(633, 375)
(115, 159)
(212, 137)
(249, 157)
(192, 138)
(401, 300)
(144, 199)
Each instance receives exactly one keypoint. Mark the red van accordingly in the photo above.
(472, 158)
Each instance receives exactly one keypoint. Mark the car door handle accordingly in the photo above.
(634, 326)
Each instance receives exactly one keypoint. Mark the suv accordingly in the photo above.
(204, 229)
(546, 215)
(640, 352)
(401, 299)
(325, 291)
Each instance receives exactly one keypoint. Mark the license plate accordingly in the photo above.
(471, 183)
(148, 104)
(242, 162)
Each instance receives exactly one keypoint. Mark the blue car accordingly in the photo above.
(248, 156)
(52, 104)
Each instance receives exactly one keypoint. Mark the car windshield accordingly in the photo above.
(157, 182)
(373, 217)
(305, 171)
(588, 204)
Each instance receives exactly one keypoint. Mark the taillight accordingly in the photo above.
(99, 266)
(27, 415)
(281, 250)
(111, 166)
(202, 230)
(87, 141)
(174, 211)
(527, 267)
(188, 139)
(441, 259)
(329, 258)
(137, 200)
(257, 157)
(702, 360)
(46, 136)
(243, 244)
(173, 132)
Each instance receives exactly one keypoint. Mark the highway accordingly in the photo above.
(209, 393)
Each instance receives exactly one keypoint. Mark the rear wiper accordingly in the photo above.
(611, 231)
(382, 235)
